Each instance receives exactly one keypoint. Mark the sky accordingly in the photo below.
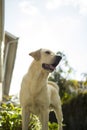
(58, 25)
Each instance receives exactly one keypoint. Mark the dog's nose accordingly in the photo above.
(58, 58)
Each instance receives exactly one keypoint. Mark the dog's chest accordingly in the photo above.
(36, 106)
(38, 101)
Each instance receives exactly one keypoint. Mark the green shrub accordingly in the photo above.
(10, 119)
(53, 126)
(75, 113)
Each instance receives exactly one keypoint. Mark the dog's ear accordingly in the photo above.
(36, 54)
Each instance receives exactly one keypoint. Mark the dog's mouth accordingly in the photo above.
(50, 67)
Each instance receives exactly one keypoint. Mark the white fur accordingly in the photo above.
(38, 95)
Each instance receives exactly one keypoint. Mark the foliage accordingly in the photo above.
(10, 119)
(53, 126)
(85, 83)
(67, 97)
(84, 77)
(64, 68)
(34, 123)
(62, 77)
(76, 109)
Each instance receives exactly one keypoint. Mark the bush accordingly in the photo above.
(53, 126)
(10, 119)
(75, 113)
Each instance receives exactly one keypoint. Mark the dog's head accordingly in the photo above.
(48, 59)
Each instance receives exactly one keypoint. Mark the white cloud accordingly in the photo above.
(54, 4)
(28, 8)
(83, 6)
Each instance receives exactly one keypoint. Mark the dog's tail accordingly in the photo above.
(53, 84)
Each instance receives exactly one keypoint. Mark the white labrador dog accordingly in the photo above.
(37, 94)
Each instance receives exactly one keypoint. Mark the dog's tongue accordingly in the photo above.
(48, 67)
(52, 67)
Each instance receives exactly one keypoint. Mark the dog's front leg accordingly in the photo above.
(44, 118)
(25, 118)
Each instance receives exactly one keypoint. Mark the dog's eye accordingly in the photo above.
(47, 52)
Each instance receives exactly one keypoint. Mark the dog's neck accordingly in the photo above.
(37, 70)
(39, 75)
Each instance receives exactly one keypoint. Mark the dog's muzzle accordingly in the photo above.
(51, 67)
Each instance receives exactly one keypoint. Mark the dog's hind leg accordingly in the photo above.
(25, 118)
(59, 117)
(58, 110)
